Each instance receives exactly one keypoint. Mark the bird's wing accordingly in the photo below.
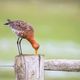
(29, 27)
(23, 26)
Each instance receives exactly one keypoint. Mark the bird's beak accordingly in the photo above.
(6, 23)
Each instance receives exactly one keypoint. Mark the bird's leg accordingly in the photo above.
(20, 46)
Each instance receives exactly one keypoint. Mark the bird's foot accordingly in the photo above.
(20, 54)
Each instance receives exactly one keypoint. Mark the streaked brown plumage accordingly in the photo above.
(23, 30)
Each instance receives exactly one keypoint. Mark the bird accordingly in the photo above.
(23, 30)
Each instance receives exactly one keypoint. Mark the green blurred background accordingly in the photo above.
(57, 29)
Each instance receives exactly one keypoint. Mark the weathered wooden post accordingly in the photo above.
(29, 67)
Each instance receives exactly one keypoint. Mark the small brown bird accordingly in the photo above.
(24, 31)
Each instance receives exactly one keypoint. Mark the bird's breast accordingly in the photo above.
(18, 33)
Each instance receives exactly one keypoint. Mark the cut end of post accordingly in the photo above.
(30, 55)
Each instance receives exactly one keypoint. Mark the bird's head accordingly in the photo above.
(8, 22)
(35, 46)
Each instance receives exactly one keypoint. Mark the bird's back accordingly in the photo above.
(22, 28)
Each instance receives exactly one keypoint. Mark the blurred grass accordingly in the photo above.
(7, 74)
(52, 22)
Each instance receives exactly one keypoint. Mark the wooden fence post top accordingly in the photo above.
(29, 55)
(29, 67)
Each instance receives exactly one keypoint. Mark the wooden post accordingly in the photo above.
(29, 67)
